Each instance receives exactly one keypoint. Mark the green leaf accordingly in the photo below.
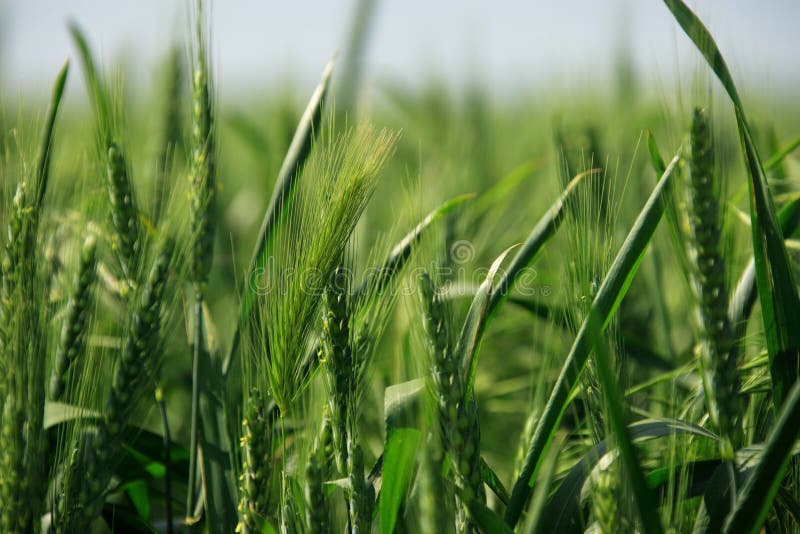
(493, 481)
(472, 331)
(780, 303)
(139, 495)
(122, 519)
(56, 413)
(403, 404)
(562, 513)
(605, 303)
(755, 498)
(43, 166)
(615, 408)
(290, 171)
(97, 92)
(399, 457)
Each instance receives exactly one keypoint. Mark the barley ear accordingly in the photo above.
(258, 426)
(707, 275)
(202, 167)
(73, 329)
(124, 214)
(458, 416)
(339, 360)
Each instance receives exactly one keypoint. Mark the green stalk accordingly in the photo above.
(162, 409)
(193, 428)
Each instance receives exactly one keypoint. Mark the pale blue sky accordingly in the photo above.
(509, 44)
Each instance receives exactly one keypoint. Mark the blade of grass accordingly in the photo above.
(780, 303)
(474, 324)
(756, 496)
(290, 170)
(96, 91)
(615, 404)
(605, 303)
(43, 167)
(399, 459)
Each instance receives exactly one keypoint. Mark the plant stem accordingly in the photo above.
(198, 327)
(162, 408)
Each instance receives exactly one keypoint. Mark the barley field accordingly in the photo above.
(437, 313)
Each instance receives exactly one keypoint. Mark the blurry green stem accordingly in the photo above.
(198, 332)
(162, 408)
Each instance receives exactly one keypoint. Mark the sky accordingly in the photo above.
(506, 44)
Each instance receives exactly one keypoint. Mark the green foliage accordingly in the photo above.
(337, 383)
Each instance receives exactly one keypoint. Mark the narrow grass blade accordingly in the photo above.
(605, 303)
(780, 302)
(473, 328)
(97, 92)
(43, 166)
(493, 481)
(290, 170)
(615, 403)
(539, 236)
(399, 459)
(756, 496)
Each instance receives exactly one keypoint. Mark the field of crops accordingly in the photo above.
(438, 314)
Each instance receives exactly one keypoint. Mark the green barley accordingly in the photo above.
(75, 324)
(124, 214)
(605, 497)
(707, 274)
(202, 167)
(258, 426)
(361, 493)
(339, 359)
(97, 448)
(22, 361)
(458, 417)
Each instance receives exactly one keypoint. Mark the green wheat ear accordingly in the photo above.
(338, 358)
(202, 168)
(124, 213)
(73, 329)
(317, 515)
(89, 472)
(458, 417)
(707, 274)
(258, 426)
